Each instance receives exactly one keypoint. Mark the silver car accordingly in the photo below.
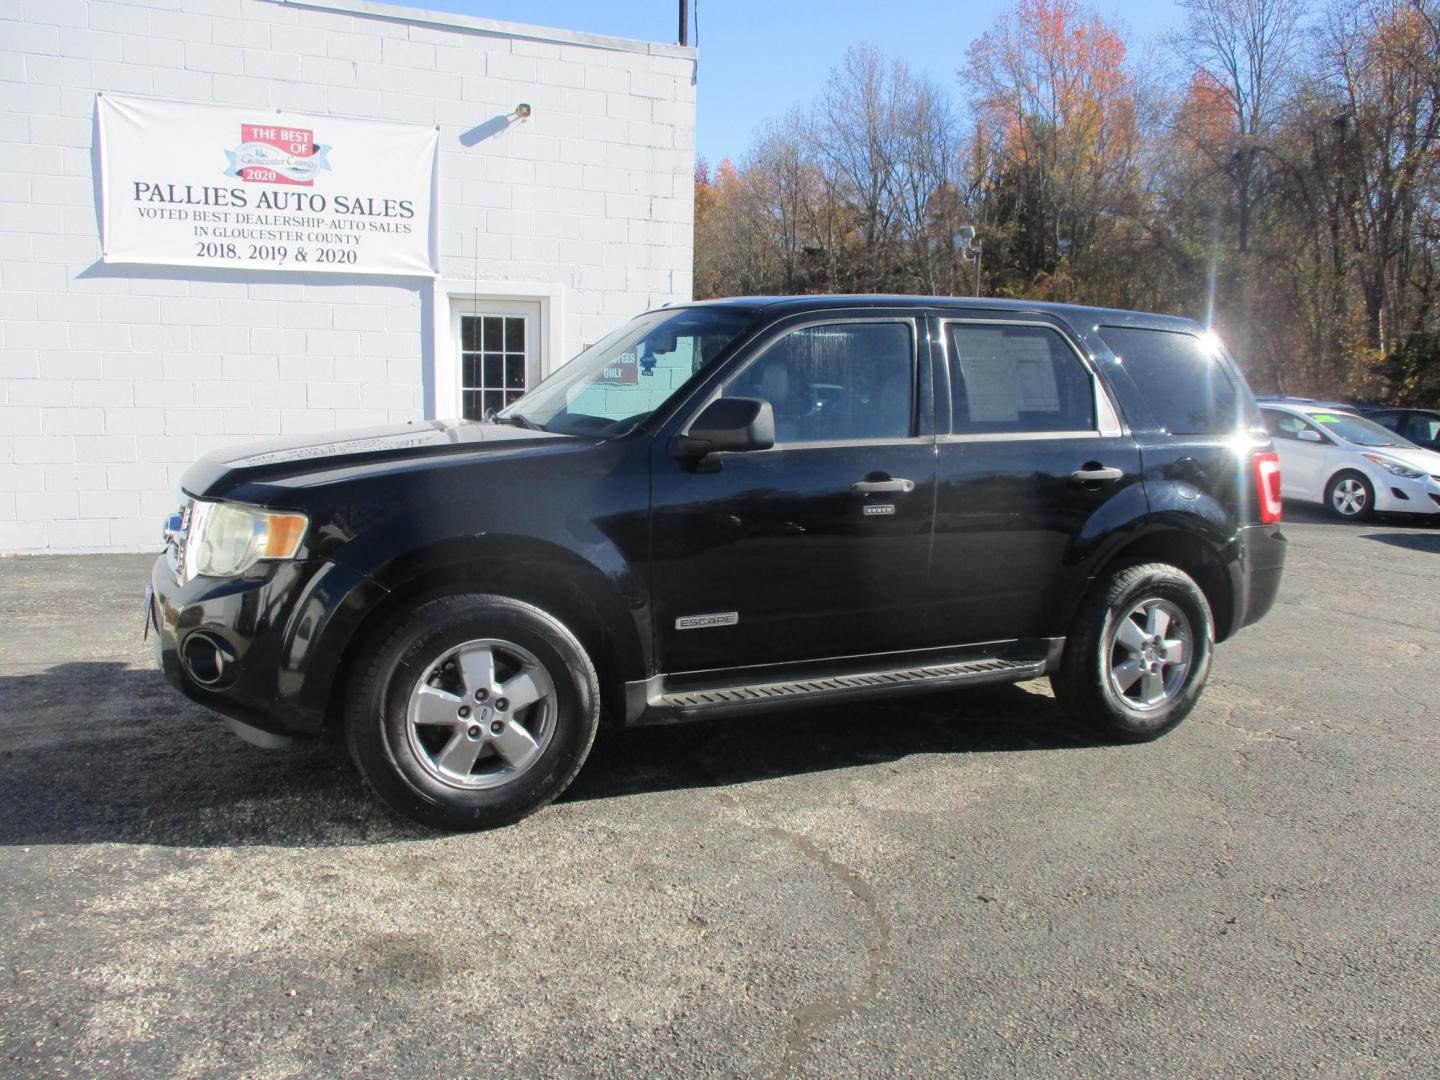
(1349, 464)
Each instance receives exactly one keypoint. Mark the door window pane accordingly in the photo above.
(1017, 379)
(1421, 429)
(1286, 425)
(492, 363)
(836, 381)
(1393, 421)
(1184, 382)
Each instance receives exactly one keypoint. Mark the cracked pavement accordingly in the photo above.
(960, 884)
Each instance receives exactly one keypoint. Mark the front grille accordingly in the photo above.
(176, 535)
(1435, 498)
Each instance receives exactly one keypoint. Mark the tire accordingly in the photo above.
(425, 699)
(1350, 488)
(1090, 684)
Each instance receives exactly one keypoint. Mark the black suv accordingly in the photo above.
(731, 506)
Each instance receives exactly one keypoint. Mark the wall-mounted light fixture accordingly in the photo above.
(522, 112)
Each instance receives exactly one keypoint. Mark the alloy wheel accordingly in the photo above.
(1148, 654)
(481, 715)
(1349, 497)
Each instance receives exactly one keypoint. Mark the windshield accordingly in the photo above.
(621, 379)
(1354, 430)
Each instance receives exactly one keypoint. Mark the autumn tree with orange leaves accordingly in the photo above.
(1051, 90)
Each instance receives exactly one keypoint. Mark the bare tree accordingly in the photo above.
(780, 177)
(1386, 71)
(926, 170)
(858, 138)
(1249, 49)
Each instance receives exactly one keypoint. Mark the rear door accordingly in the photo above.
(1035, 453)
(819, 547)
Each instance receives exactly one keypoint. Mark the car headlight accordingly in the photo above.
(226, 539)
(1394, 468)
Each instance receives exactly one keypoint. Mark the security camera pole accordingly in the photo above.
(969, 246)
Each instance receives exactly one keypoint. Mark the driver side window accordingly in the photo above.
(836, 381)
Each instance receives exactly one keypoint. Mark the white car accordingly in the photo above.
(1349, 464)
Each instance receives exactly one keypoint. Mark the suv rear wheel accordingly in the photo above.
(472, 711)
(1138, 654)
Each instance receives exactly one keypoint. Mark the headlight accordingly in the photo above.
(1393, 467)
(226, 539)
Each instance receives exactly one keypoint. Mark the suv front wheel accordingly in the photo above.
(1138, 653)
(472, 711)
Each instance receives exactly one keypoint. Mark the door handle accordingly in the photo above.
(1093, 473)
(878, 487)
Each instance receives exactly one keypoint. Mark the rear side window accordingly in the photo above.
(1017, 379)
(1183, 380)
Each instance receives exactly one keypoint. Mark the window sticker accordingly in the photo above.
(1035, 374)
(989, 376)
(1325, 418)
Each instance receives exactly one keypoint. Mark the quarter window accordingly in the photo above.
(1017, 379)
(1182, 379)
(836, 381)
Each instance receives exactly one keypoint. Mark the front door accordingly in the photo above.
(819, 547)
(1306, 454)
(499, 353)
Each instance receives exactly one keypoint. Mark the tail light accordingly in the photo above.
(1267, 486)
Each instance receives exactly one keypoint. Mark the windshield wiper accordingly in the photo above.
(516, 420)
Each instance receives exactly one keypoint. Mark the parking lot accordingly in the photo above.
(960, 884)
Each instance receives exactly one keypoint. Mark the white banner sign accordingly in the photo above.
(206, 185)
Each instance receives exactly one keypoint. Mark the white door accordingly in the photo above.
(1304, 451)
(498, 347)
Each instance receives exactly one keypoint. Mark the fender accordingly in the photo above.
(1203, 543)
(540, 571)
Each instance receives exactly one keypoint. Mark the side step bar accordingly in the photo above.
(664, 705)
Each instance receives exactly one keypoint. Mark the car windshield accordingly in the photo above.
(623, 378)
(1354, 430)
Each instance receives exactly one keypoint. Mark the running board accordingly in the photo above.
(695, 702)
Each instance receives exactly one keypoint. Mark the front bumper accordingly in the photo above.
(1399, 495)
(264, 649)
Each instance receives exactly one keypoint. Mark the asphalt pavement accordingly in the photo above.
(961, 885)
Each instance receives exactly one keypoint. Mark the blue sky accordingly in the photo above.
(757, 58)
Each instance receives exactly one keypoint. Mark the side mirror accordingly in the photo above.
(733, 424)
(1307, 435)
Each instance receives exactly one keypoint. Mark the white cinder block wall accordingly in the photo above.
(113, 379)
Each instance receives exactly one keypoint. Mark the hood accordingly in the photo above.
(1414, 456)
(292, 460)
